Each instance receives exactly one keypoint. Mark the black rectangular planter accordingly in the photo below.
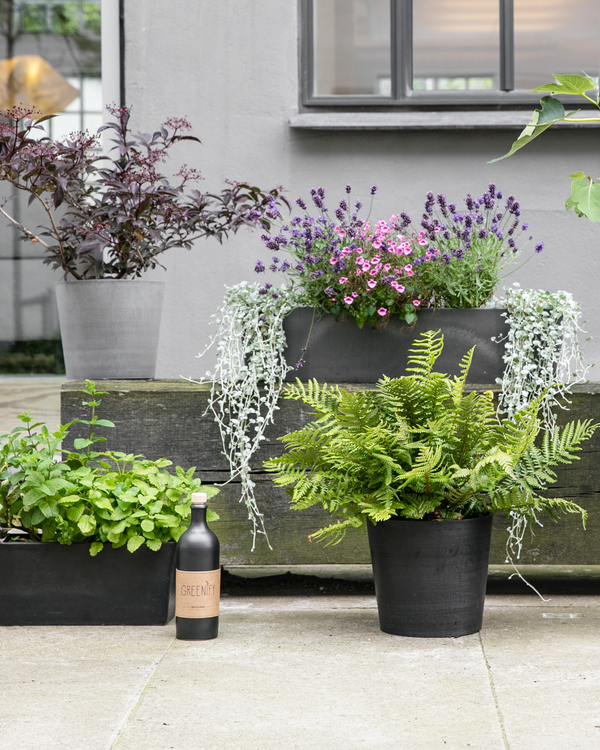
(55, 584)
(339, 351)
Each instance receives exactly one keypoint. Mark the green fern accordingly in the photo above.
(419, 447)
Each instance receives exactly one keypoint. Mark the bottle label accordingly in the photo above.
(197, 593)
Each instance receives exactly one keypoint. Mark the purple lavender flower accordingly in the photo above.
(259, 267)
(374, 189)
(539, 247)
(301, 203)
(348, 188)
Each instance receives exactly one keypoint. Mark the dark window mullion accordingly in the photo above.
(402, 45)
(307, 49)
(507, 45)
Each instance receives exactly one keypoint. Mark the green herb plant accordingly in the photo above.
(421, 447)
(585, 191)
(90, 496)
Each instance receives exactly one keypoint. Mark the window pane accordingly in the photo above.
(352, 47)
(49, 53)
(455, 45)
(554, 36)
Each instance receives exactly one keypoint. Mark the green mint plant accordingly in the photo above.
(585, 190)
(421, 447)
(88, 495)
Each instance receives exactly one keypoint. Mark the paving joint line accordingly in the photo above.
(134, 710)
(494, 694)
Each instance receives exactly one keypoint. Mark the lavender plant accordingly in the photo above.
(346, 266)
(112, 216)
(465, 254)
(369, 272)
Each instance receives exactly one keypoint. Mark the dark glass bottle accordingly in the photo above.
(198, 578)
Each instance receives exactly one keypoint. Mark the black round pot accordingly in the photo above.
(430, 576)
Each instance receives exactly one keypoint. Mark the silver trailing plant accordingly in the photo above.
(542, 352)
(248, 377)
(543, 361)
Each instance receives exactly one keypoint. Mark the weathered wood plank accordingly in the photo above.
(168, 419)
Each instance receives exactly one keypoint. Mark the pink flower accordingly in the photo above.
(400, 288)
(371, 284)
(355, 294)
(373, 271)
(387, 267)
(359, 261)
(398, 270)
(382, 311)
(342, 280)
(377, 245)
(359, 250)
(416, 303)
(408, 270)
(366, 265)
(348, 300)
(374, 261)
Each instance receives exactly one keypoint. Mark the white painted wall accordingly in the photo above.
(232, 68)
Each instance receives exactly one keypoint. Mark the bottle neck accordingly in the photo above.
(198, 514)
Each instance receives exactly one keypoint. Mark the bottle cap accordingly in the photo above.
(199, 498)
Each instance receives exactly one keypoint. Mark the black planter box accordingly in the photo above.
(55, 584)
(339, 351)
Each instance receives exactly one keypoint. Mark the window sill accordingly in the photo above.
(505, 120)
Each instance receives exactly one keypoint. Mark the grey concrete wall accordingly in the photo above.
(232, 68)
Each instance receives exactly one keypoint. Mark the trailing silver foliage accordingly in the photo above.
(542, 351)
(248, 377)
(542, 356)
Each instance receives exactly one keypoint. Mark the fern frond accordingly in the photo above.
(424, 352)
(458, 386)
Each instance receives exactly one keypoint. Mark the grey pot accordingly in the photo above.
(110, 327)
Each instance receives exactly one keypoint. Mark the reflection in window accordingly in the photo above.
(455, 45)
(352, 47)
(555, 36)
(50, 60)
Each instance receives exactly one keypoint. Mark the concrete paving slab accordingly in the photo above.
(73, 688)
(544, 658)
(309, 672)
(316, 673)
(40, 393)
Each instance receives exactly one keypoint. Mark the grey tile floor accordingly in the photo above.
(309, 673)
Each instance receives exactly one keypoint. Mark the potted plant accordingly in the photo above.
(87, 537)
(423, 465)
(108, 220)
(376, 286)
